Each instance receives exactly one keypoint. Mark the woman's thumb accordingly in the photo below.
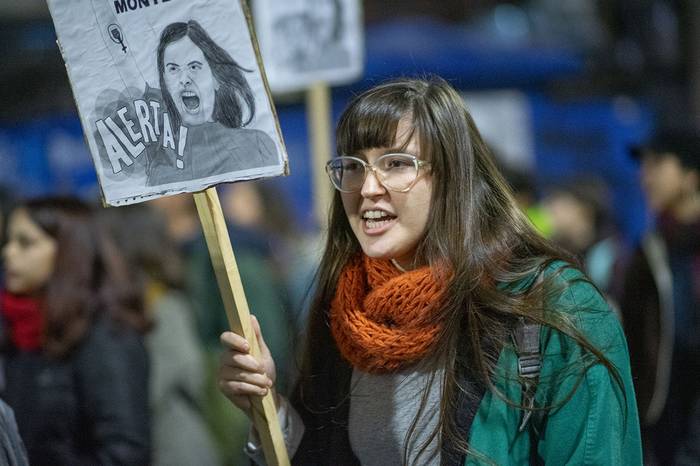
(264, 350)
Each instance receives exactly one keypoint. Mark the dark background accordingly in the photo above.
(597, 76)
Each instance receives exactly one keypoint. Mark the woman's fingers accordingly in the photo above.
(264, 350)
(241, 361)
(238, 383)
(233, 388)
(235, 342)
(236, 374)
(240, 374)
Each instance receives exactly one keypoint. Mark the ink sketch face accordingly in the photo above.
(323, 13)
(189, 81)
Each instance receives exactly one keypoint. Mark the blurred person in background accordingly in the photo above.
(180, 434)
(258, 213)
(253, 213)
(526, 196)
(661, 299)
(578, 210)
(250, 210)
(76, 369)
(182, 221)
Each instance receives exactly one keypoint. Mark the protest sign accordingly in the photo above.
(172, 99)
(308, 41)
(170, 95)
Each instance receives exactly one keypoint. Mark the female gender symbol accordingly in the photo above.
(115, 33)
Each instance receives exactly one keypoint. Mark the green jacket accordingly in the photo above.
(598, 425)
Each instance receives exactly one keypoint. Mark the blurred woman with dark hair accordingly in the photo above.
(76, 367)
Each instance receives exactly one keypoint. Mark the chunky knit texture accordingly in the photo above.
(382, 319)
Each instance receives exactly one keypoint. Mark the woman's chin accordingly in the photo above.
(376, 251)
(377, 255)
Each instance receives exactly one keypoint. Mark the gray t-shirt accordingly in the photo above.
(382, 409)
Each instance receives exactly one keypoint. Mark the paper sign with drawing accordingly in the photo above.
(170, 95)
(308, 41)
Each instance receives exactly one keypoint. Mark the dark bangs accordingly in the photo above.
(371, 120)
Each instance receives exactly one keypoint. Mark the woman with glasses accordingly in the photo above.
(443, 329)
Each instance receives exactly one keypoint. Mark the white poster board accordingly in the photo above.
(308, 41)
(170, 95)
(504, 119)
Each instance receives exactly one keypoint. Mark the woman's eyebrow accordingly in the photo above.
(195, 62)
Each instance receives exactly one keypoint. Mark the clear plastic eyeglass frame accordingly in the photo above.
(379, 174)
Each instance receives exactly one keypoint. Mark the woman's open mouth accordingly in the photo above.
(190, 101)
(376, 221)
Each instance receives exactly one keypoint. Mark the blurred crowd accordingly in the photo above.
(126, 299)
(653, 282)
(110, 318)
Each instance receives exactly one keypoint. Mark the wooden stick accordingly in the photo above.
(318, 117)
(236, 305)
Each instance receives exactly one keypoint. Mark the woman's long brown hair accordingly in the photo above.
(89, 276)
(474, 226)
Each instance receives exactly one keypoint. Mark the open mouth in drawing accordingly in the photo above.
(190, 101)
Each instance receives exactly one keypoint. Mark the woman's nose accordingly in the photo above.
(372, 186)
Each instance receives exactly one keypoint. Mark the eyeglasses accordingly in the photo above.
(396, 172)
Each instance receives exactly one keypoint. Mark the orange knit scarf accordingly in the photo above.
(382, 319)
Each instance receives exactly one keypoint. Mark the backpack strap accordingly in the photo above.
(526, 337)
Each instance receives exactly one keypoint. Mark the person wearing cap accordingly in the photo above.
(660, 303)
